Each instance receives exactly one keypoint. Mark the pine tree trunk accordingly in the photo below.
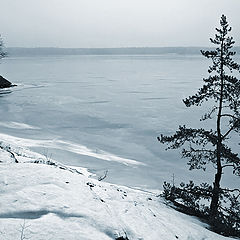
(218, 175)
(216, 192)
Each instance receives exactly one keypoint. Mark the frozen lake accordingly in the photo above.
(104, 112)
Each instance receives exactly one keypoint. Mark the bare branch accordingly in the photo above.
(229, 115)
(104, 176)
(23, 231)
(228, 165)
(228, 132)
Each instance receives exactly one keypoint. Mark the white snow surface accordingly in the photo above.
(42, 200)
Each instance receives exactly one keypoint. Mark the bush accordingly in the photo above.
(195, 200)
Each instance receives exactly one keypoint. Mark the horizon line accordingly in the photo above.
(114, 47)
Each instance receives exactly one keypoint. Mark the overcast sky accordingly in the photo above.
(114, 23)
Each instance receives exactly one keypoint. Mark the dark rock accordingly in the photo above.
(4, 83)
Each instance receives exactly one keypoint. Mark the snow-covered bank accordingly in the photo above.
(52, 201)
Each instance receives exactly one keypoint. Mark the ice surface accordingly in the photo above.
(71, 147)
(17, 125)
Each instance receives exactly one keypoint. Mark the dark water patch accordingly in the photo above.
(103, 125)
(67, 82)
(89, 85)
(180, 82)
(160, 79)
(96, 102)
(154, 98)
(97, 77)
(139, 92)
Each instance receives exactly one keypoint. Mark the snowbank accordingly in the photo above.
(42, 199)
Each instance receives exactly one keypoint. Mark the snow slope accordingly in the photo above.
(41, 200)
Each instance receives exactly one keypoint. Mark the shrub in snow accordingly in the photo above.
(195, 200)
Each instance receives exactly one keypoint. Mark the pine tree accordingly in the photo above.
(222, 89)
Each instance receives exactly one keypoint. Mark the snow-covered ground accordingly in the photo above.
(41, 199)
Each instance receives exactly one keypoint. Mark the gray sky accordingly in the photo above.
(114, 23)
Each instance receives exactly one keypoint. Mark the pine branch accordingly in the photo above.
(228, 165)
(229, 115)
(234, 126)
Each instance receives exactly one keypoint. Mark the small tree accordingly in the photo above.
(203, 146)
(2, 52)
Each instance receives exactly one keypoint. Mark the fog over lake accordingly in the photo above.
(105, 112)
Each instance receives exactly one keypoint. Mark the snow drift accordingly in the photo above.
(43, 199)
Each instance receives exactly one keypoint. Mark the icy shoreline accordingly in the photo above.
(48, 200)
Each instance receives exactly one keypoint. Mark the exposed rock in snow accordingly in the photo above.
(43, 199)
(4, 83)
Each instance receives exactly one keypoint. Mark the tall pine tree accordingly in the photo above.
(222, 88)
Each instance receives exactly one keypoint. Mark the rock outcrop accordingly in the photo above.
(4, 83)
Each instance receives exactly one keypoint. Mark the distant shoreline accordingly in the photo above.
(43, 51)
